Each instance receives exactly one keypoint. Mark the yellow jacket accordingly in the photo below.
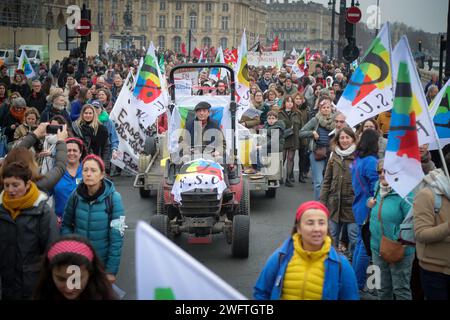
(305, 273)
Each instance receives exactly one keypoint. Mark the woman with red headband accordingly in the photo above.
(67, 258)
(307, 266)
(95, 210)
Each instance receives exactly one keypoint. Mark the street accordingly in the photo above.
(271, 224)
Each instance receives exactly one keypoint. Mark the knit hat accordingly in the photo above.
(310, 205)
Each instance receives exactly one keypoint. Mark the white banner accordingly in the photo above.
(183, 88)
(266, 59)
(166, 272)
(187, 74)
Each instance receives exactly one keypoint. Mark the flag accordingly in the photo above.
(25, 65)
(425, 128)
(257, 46)
(369, 91)
(200, 60)
(218, 73)
(230, 56)
(300, 66)
(150, 93)
(161, 64)
(403, 169)
(275, 44)
(196, 53)
(183, 49)
(440, 113)
(294, 53)
(243, 84)
(164, 271)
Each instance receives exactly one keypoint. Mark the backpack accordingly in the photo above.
(407, 235)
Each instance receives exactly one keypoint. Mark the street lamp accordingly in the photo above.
(49, 26)
(332, 7)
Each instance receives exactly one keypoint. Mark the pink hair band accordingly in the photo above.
(70, 246)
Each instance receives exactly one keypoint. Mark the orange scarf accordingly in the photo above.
(15, 206)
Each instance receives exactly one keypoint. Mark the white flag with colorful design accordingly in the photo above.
(300, 65)
(150, 93)
(369, 91)
(243, 84)
(25, 65)
(165, 272)
(440, 113)
(217, 74)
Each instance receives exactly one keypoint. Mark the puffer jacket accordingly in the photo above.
(91, 220)
(339, 282)
(393, 211)
(291, 121)
(337, 190)
(22, 244)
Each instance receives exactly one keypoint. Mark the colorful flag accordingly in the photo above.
(183, 49)
(369, 91)
(275, 44)
(425, 128)
(25, 65)
(218, 73)
(164, 271)
(230, 56)
(403, 169)
(243, 84)
(150, 93)
(440, 113)
(300, 65)
(161, 64)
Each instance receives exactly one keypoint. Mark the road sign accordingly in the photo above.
(353, 15)
(84, 28)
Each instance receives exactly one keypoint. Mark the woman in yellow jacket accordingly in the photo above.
(306, 266)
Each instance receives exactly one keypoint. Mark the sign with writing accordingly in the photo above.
(266, 59)
(187, 74)
(183, 88)
(130, 131)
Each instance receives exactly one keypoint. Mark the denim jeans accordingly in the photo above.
(317, 168)
(436, 286)
(335, 232)
(360, 261)
(395, 278)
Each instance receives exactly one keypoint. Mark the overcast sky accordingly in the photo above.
(428, 15)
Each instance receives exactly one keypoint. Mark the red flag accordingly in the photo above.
(196, 53)
(183, 49)
(230, 56)
(275, 44)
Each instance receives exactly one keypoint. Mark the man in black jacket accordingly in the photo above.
(4, 77)
(37, 98)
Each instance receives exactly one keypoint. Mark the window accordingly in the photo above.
(162, 42)
(162, 22)
(101, 6)
(178, 5)
(193, 21)
(208, 23)
(306, 26)
(144, 5)
(208, 7)
(114, 5)
(224, 43)
(177, 44)
(162, 5)
(100, 19)
(224, 25)
(282, 25)
(225, 7)
(206, 42)
(143, 21)
(178, 22)
(288, 25)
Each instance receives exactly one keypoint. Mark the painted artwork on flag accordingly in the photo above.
(369, 91)
(148, 85)
(440, 113)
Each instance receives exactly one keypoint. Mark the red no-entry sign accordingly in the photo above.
(353, 15)
(84, 28)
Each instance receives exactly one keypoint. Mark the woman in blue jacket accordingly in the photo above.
(364, 177)
(95, 211)
(306, 266)
(389, 210)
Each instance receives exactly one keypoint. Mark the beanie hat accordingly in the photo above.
(310, 205)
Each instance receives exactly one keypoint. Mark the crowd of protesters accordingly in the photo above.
(58, 183)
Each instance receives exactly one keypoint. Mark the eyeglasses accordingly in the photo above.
(380, 171)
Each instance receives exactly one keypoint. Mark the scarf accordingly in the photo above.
(82, 190)
(15, 206)
(326, 123)
(439, 182)
(345, 153)
(17, 115)
(384, 190)
(103, 117)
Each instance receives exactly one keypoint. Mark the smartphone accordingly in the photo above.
(53, 129)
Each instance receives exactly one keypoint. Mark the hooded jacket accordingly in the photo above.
(90, 220)
(432, 230)
(22, 244)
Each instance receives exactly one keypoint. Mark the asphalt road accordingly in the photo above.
(271, 223)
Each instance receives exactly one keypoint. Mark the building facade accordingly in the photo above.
(299, 25)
